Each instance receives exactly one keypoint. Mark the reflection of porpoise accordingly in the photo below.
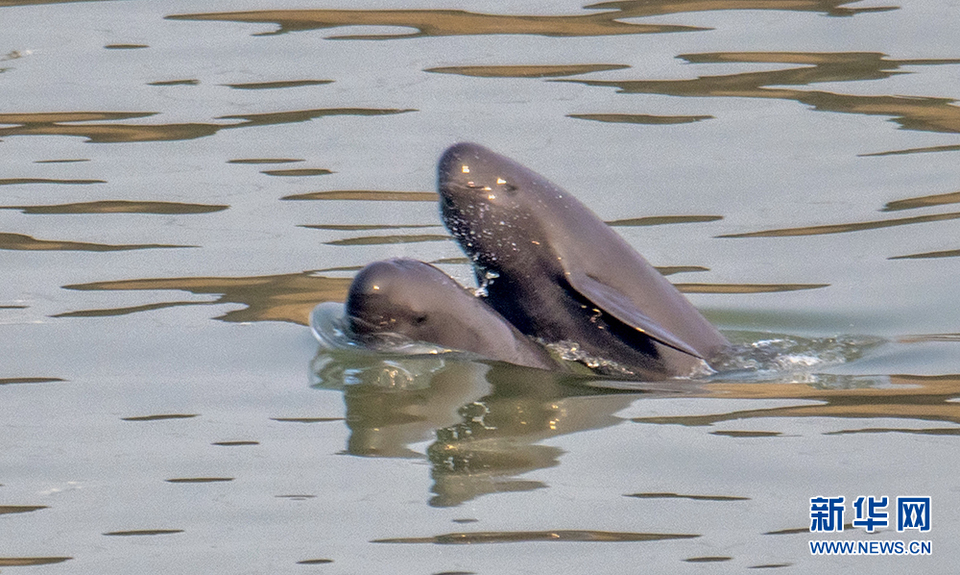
(558, 273)
(418, 301)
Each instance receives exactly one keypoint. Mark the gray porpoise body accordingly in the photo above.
(415, 299)
(558, 273)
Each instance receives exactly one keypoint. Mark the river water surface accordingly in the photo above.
(182, 182)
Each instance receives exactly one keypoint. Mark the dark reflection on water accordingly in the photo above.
(925, 150)
(306, 419)
(287, 297)
(845, 228)
(161, 417)
(298, 172)
(27, 380)
(544, 71)
(20, 181)
(125, 46)
(929, 255)
(640, 119)
(199, 480)
(439, 23)
(186, 82)
(693, 497)
(66, 124)
(487, 422)
(922, 202)
(143, 532)
(23, 242)
(742, 434)
(120, 207)
(914, 113)
(265, 161)
(275, 85)
(670, 270)
(528, 536)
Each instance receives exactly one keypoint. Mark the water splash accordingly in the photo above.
(395, 361)
(766, 356)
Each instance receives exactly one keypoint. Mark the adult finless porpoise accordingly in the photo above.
(558, 273)
(416, 300)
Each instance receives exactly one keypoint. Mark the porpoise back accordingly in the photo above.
(557, 272)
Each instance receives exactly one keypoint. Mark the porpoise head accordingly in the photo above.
(488, 203)
(397, 296)
(419, 302)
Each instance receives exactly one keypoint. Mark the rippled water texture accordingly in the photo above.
(181, 185)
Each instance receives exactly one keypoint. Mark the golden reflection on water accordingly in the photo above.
(844, 228)
(638, 8)
(541, 71)
(918, 397)
(662, 220)
(640, 119)
(65, 124)
(914, 113)
(390, 239)
(363, 227)
(74, 124)
(439, 23)
(5, 509)
(23, 242)
(36, 2)
(120, 207)
(28, 561)
(922, 202)
(287, 297)
(20, 181)
(291, 297)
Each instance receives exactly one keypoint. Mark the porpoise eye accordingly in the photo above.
(419, 320)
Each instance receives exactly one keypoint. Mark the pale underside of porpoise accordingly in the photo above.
(420, 302)
(558, 273)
